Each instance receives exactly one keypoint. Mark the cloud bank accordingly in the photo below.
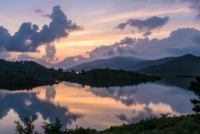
(124, 47)
(145, 26)
(179, 42)
(28, 38)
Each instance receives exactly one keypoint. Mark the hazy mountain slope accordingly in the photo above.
(186, 64)
(146, 64)
(112, 63)
(18, 65)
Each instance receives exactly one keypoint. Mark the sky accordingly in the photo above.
(71, 32)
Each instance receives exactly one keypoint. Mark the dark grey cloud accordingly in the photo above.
(196, 39)
(39, 11)
(119, 48)
(145, 25)
(133, 32)
(28, 38)
(147, 34)
(122, 117)
(4, 38)
(126, 41)
(181, 41)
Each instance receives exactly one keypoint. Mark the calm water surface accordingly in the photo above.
(93, 107)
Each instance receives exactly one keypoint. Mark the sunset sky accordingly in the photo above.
(95, 29)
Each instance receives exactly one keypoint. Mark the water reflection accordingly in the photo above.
(50, 93)
(124, 94)
(147, 112)
(101, 107)
(149, 93)
(183, 83)
(26, 104)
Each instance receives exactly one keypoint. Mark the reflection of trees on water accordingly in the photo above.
(26, 104)
(172, 81)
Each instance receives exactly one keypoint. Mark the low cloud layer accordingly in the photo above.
(5, 55)
(28, 38)
(25, 56)
(124, 47)
(145, 26)
(179, 42)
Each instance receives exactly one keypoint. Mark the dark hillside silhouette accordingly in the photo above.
(184, 65)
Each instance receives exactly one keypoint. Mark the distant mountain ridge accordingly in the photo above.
(111, 63)
(186, 64)
(145, 64)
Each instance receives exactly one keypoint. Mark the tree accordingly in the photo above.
(29, 127)
(52, 128)
(60, 69)
(83, 71)
(195, 87)
(73, 71)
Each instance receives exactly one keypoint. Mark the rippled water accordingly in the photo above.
(93, 107)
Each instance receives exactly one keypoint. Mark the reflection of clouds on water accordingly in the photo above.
(147, 112)
(147, 93)
(26, 104)
(68, 84)
(117, 93)
(50, 93)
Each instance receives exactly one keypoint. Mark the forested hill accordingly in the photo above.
(186, 64)
(18, 65)
(146, 64)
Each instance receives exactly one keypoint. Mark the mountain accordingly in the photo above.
(18, 65)
(111, 63)
(146, 64)
(183, 65)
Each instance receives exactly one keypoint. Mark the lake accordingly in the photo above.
(93, 107)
